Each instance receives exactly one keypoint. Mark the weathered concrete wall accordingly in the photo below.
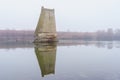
(46, 27)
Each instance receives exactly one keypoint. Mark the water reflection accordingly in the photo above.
(98, 44)
(87, 61)
(110, 45)
(46, 56)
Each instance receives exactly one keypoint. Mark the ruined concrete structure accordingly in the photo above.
(46, 27)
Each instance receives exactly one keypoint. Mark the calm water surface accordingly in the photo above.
(88, 61)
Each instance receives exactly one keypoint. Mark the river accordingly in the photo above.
(86, 61)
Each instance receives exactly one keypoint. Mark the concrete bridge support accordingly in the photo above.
(46, 27)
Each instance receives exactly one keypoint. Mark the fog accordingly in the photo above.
(71, 15)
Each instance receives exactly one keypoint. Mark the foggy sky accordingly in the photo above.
(71, 15)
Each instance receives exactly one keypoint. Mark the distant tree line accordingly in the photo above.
(100, 35)
(16, 36)
(22, 35)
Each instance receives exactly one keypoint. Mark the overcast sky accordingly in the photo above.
(72, 15)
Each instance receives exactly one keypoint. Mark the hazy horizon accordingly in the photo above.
(71, 15)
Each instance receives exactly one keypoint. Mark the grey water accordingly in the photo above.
(85, 61)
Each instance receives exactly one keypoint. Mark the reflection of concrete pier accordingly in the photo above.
(46, 55)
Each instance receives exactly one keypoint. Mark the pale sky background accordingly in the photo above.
(72, 15)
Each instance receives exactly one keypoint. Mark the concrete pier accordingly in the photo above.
(46, 27)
